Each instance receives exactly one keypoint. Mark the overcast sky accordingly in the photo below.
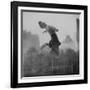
(66, 23)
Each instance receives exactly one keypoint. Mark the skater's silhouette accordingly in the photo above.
(54, 42)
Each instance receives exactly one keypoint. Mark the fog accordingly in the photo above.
(66, 23)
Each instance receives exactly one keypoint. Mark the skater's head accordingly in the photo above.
(42, 24)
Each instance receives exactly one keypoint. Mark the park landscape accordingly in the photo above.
(42, 62)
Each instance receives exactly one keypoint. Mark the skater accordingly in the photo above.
(54, 42)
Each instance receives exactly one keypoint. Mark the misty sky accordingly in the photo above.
(66, 23)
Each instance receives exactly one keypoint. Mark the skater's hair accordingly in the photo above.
(42, 24)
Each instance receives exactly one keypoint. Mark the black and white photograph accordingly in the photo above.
(50, 43)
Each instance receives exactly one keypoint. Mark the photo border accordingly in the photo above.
(14, 43)
(51, 77)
